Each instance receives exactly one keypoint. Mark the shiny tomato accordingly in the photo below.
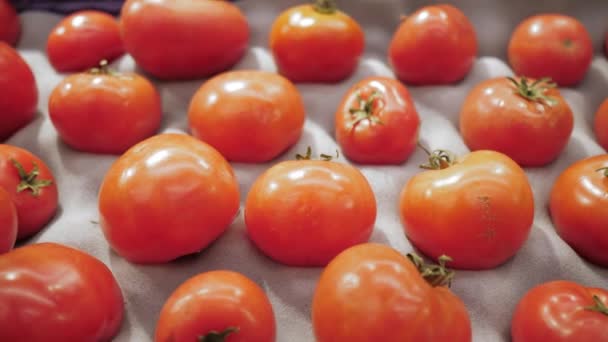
(51, 292)
(525, 119)
(561, 311)
(377, 122)
(316, 43)
(217, 306)
(10, 25)
(370, 292)
(435, 45)
(601, 125)
(551, 45)
(249, 116)
(8, 222)
(168, 196)
(184, 39)
(126, 109)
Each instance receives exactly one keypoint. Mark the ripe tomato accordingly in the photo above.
(32, 187)
(217, 306)
(377, 122)
(561, 311)
(316, 43)
(126, 109)
(184, 39)
(525, 119)
(10, 25)
(601, 125)
(435, 45)
(51, 292)
(551, 45)
(370, 292)
(8, 222)
(168, 196)
(249, 116)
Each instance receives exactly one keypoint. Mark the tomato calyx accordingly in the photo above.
(216, 336)
(367, 106)
(604, 171)
(29, 180)
(598, 306)
(435, 274)
(438, 159)
(534, 91)
(308, 155)
(103, 69)
(325, 6)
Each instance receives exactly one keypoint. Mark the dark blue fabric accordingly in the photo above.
(68, 6)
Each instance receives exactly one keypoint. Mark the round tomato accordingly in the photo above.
(370, 292)
(435, 45)
(561, 311)
(316, 43)
(601, 125)
(8, 222)
(249, 116)
(168, 196)
(184, 39)
(217, 306)
(10, 25)
(51, 292)
(126, 109)
(377, 122)
(526, 119)
(551, 45)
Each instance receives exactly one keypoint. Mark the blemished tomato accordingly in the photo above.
(32, 187)
(578, 207)
(477, 209)
(305, 212)
(551, 45)
(19, 92)
(561, 311)
(184, 39)
(249, 116)
(10, 25)
(526, 119)
(600, 125)
(377, 122)
(51, 292)
(435, 45)
(168, 196)
(316, 43)
(370, 292)
(126, 109)
(217, 306)
(8, 222)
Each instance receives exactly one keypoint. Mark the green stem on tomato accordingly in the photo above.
(438, 159)
(326, 6)
(436, 275)
(29, 180)
(308, 155)
(598, 306)
(215, 336)
(534, 91)
(365, 110)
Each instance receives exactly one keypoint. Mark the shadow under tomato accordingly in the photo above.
(35, 238)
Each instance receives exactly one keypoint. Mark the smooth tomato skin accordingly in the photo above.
(391, 141)
(551, 45)
(168, 196)
(216, 301)
(8, 222)
(303, 213)
(309, 46)
(435, 45)
(555, 312)
(52, 292)
(248, 116)
(494, 117)
(370, 292)
(600, 125)
(191, 39)
(10, 25)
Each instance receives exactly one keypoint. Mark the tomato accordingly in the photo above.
(551, 45)
(561, 311)
(249, 116)
(10, 25)
(126, 109)
(370, 292)
(601, 125)
(19, 92)
(305, 212)
(316, 43)
(435, 45)
(525, 119)
(51, 292)
(184, 39)
(8, 222)
(377, 122)
(168, 196)
(217, 304)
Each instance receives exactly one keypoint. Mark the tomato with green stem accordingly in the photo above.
(600, 125)
(8, 222)
(10, 25)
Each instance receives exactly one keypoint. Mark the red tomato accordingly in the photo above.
(126, 109)
(316, 43)
(51, 292)
(184, 39)
(601, 125)
(217, 306)
(32, 187)
(370, 292)
(168, 196)
(249, 116)
(525, 119)
(8, 222)
(10, 25)
(561, 311)
(435, 45)
(551, 45)
(377, 122)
